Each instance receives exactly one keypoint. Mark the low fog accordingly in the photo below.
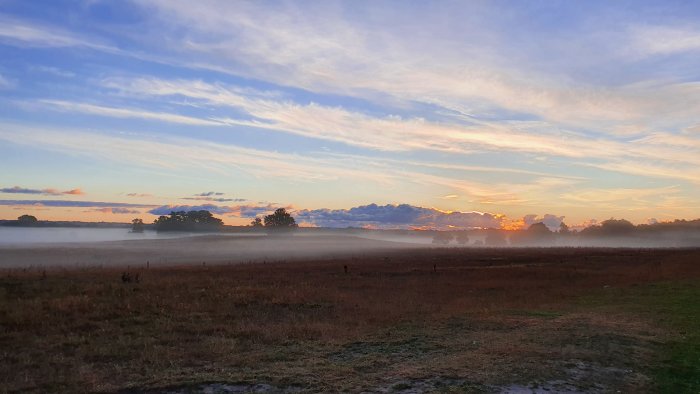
(59, 248)
(194, 249)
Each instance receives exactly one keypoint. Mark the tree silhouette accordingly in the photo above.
(26, 220)
(564, 229)
(137, 226)
(188, 221)
(281, 219)
(610, 228)
(536, 234)
(442, 237)
(495, 238)
(539, 230)
(257, 222)
(462, 238)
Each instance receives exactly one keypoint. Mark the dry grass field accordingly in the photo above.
(431, 320)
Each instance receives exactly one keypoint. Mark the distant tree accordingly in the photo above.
(188, 221)
(443, 237)
(610, 228)
(27, 220)
(536, 234)
(137, 226)
(257, 222)
(539, 230)
(617, 227)
(281, 219)
(495, 238)
(462, 238)
(564, 229)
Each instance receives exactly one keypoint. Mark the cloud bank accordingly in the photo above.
(398, 216)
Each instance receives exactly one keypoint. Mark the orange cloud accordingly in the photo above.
(75, 192)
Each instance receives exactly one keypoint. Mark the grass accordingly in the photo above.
(674, 305)
(680, 371)
(485, 319)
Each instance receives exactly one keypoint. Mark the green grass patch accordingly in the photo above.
(675, 306)
(680, 307)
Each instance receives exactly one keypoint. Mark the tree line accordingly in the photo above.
(196, 221)
(538, 234)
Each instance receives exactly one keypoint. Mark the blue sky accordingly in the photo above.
(480, 113)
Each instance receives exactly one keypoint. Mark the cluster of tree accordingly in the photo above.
(137, 226)
(27, 221)
(280, 220)
(683, 232)
(536, 234)
(188, 221)
(204, 221)
(610, 228)
(22, 221)
(32, 221)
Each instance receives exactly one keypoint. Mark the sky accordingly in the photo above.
(391, 114)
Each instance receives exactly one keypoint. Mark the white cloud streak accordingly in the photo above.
(665, 40)
(326, 51)
(24, 34)
(67, 106)
(661, 154)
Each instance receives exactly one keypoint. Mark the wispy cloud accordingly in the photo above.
(212, 196)
(214, 199)
(235, 210)
(665, 40)
(6, 83)
(116, 211)
(47, 191)
(66, 203)
(175, 152)
(329, 51)
(335, 123)
(53, 71)
(23, 33)
(393, 133)
(92, 109)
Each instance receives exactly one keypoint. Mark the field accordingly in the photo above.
(425, 320)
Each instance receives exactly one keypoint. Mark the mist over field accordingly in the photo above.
(24, 247)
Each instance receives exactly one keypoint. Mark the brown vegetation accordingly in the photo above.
(473, 319)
